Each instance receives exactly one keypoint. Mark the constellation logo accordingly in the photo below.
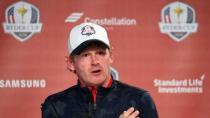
(74, 17)
(189, 85)
(178, 21)
(22, 20)
(112, 21)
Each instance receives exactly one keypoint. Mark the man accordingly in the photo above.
(97, 94)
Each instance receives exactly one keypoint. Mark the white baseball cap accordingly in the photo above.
(86, 33)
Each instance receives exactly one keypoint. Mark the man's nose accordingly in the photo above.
(94, 59)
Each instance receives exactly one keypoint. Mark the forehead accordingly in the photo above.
(90, 46)
(94, 46)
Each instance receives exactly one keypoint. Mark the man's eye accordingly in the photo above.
(101, 52)
(84, 55)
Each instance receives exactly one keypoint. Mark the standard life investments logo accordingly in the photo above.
(112, 21)
(176, 86)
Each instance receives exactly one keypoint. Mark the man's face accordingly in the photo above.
(92, 65)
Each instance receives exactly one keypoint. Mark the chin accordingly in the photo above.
(99, 82)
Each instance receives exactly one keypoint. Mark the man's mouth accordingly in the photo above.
(96, 71)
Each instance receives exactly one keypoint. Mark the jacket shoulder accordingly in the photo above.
(129, 88)
(143, 98)
(62, 94)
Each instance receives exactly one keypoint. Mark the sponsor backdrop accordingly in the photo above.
(159, 45)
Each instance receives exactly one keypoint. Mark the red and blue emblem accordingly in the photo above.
(22, 20)
(178, 20)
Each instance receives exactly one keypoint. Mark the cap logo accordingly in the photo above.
(88, 30)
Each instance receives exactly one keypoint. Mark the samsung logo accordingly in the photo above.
(23, 83)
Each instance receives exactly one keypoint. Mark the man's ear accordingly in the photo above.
(70, 64)
(111, 55)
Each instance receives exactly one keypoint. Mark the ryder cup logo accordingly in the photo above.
(178, 21)
(88, 30)
(22, 20)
